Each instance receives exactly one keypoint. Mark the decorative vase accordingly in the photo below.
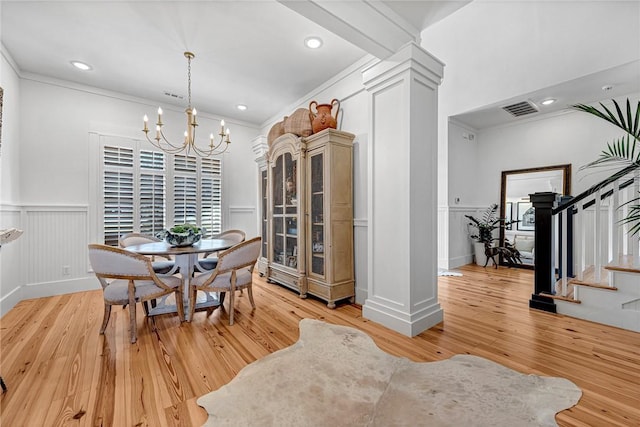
(323, 119)
(481, 257)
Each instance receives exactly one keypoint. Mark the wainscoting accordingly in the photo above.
(51, 256)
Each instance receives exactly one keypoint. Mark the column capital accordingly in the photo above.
(260, 148)
(410, 57)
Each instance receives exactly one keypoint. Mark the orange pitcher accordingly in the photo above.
(323, 119)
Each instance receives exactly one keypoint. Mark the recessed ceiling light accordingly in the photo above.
(313, 42)
(607, 87)
(241, 107)
(81, 65)
(548, 101)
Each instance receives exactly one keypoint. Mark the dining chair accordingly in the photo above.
(209, 262)
(234, 271)
(160, 267)
(128, 278)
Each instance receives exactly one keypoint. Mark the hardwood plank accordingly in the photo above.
(60, 371)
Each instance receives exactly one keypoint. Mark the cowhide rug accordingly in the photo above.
(337, 376)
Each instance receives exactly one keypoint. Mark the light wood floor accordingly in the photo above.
(60, 371)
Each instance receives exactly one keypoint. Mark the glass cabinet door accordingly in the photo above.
(263, 194)
(285, 212)
(317, 214)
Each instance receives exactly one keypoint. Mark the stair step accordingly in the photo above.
(589, 278)
(600, 285)
(561, 298)
(625, 264)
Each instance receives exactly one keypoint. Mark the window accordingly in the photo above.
(145, 191)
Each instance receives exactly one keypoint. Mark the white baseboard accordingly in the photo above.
(48, 289)
(10, 300)
(460, 261)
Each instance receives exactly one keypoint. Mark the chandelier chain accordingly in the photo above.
(189, 79)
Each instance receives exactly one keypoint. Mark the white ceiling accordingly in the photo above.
(247, 52)
(621, 80)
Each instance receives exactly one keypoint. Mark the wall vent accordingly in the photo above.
(521, 108)
(173, 95)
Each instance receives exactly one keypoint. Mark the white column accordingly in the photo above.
(403, 199)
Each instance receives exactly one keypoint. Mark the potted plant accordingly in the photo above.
(623, 152)
(181, 235)
(481, 231)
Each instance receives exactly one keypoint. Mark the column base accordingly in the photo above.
(543, 303)
(409, 324)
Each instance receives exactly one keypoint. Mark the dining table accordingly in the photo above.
(186, 264)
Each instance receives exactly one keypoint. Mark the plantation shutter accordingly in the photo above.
(146, 191)
(185, 190)
(152, 192)
(118, 188)
(211, 196)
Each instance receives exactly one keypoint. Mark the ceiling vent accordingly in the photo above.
(521, 108)
(173, 95)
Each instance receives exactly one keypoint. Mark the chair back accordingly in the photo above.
(116, 263)
(235, 236)
(131, 239)
(244, 254)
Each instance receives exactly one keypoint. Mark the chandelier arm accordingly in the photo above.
(178, 148)
(159, 146)
(210, 152)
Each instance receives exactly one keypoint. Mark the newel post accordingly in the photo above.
(544, 269)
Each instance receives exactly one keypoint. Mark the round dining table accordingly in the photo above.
(186, 264)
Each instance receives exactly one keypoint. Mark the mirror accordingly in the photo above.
(515, 205)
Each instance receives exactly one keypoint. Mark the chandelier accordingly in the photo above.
(189, 145)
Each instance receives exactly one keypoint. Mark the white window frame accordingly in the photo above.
(99, 141)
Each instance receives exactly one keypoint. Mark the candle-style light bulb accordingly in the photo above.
(146, 122)
(211, 140)
(221, 127)
(193, 117)
(186, 135)
(157, 132)
(159, 116)
(228, 135)
(159, 111)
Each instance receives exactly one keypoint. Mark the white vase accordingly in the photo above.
(481, 258)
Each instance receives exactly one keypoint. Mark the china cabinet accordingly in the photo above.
(308, 224)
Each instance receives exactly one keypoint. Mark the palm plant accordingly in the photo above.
(484, 227)
(624, 151)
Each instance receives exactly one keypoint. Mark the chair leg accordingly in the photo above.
(145, 307)
(193, 293)
(231, 303)
(180, 304)
(250, 292)
(105, 318)
(132, 322)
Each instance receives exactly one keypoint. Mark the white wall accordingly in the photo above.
(498, 50)
(10, 259)
(55, 162)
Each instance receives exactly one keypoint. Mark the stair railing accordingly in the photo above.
(580, 234)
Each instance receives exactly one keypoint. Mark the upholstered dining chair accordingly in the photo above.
(209, 262)
(233, 271)
(128, 278)
(160, 267)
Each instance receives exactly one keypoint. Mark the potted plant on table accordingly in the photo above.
(481, 231)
